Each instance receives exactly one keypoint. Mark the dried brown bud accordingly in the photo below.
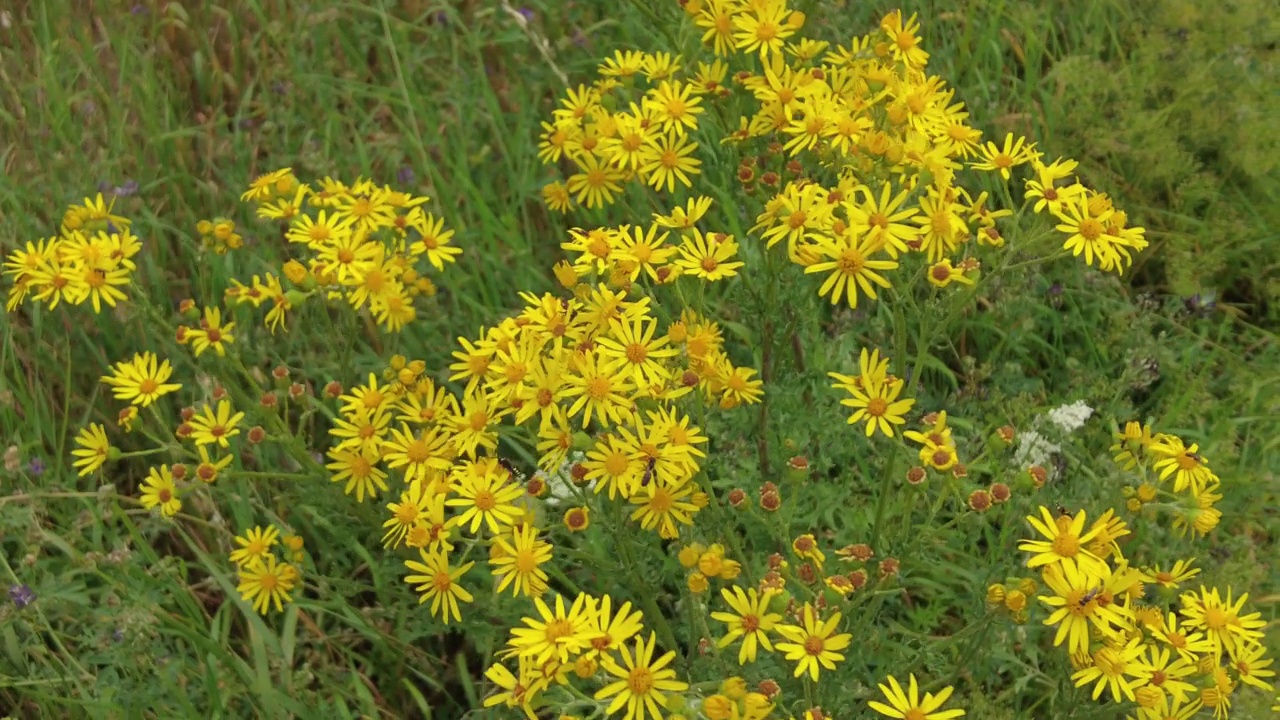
(1000, 492)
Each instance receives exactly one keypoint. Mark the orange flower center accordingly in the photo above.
(813, 645)
(417, 451)
(877, 407)
(1090, 229)
(1066, 545)
(599, 387)
(640, 681)
(485, 501)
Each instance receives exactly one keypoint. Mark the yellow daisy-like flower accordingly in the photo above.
(750, 620)
(662, 507)
(159, 491)
(416, 454)
(1076, 605)
(1188, 468)
(487, 498)
(1065, 544)
(597, 181)
(438, 582)
(141, 380)
(852, 268)
(359, 468)
(668, 158)
(267, 583)
(878, 405)
(1174, 576)
(610, 630)
(642, 681)
(92, 449)
(1122, 669)
(516, 691)
(710, 257)
(554, 635)
(814, 643)
(1223, 625)
(208, 426)
(1251, 666)
(764, 28)
(1003, 159)
(909, 705)
(255, 545)
(600, 391)
(212, 333)
(518, 562)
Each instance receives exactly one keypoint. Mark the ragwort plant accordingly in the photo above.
(587, 451)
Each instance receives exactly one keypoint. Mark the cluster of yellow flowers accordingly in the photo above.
(89, 260)
(854, 152)
(266, 578)
(362, 243)
(1192, 487)
(1169, 663)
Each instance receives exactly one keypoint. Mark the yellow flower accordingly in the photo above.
(814, 643)
(851, 268)
(487, 496)
(599, 391)
(359, 468)
(1171, 578)
(763, 28)
(910, 705)
(1188, 468)
(1004, 159)
(433, 240)
(554, 635)
(92, 449)
(159, 491)
(141, 380)
(664, 159)
(709, 257)
(255, 545)
(674, 106)
(266, 583)
(1223, 625)
(212, 333)
(642, 681)
(518, 564)
(438, 582)
(662, 507)
(417, 454)
(1120, 668)
(1075, 603)
(596, 182)
(750, 620)
(877, 403)
(516, 691)
(208, 426)
(609, 631)
(1065, 543)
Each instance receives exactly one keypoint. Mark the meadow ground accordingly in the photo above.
(170, 109)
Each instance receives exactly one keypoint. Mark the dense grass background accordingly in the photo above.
(1167, 104)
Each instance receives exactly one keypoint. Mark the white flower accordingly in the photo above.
(1070, 417)
(1034, 449)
